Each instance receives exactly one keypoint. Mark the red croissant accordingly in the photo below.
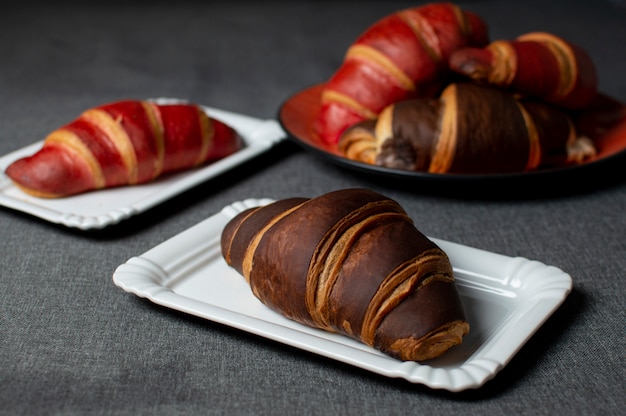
(122, 143)
(403, 55)
(536, 64)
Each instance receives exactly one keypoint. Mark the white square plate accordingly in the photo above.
(506, 298)
(98, 209)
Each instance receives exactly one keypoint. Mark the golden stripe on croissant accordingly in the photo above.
(122, 143)
(352, 262)
(470, 128)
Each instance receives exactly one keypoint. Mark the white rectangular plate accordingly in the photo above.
(98, 209)
(507, 299)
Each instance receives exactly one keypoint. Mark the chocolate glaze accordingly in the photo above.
(367, 265)
(426, 309)
(553, 127)
(368, 240)
(416, 127)
(228, 233)
(283, 256)
(491, 133)
(243, 227)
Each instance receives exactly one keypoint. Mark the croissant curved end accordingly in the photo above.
(431, 346)
(51, 174)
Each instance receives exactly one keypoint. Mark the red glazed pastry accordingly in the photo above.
(122, 143)
(469, 129)
(352, 262)
(536, 64)
(401, 56)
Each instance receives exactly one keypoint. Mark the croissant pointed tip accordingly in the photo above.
(430, 347)
(47, 174)
(472, 62)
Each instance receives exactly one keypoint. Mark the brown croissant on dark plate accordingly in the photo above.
(470, 128)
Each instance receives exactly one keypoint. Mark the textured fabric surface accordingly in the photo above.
(73, 343)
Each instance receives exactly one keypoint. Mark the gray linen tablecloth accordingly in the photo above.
(72, 342)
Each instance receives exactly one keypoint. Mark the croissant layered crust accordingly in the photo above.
(401, 56)
(469, 129)
(122, 143)
(352, 262)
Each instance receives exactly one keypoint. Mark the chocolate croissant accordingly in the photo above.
(123, 143)
(537, 64)
(351, 262)
(403, 55)
(470, 128)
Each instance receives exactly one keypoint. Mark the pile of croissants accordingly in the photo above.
(424, 89)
